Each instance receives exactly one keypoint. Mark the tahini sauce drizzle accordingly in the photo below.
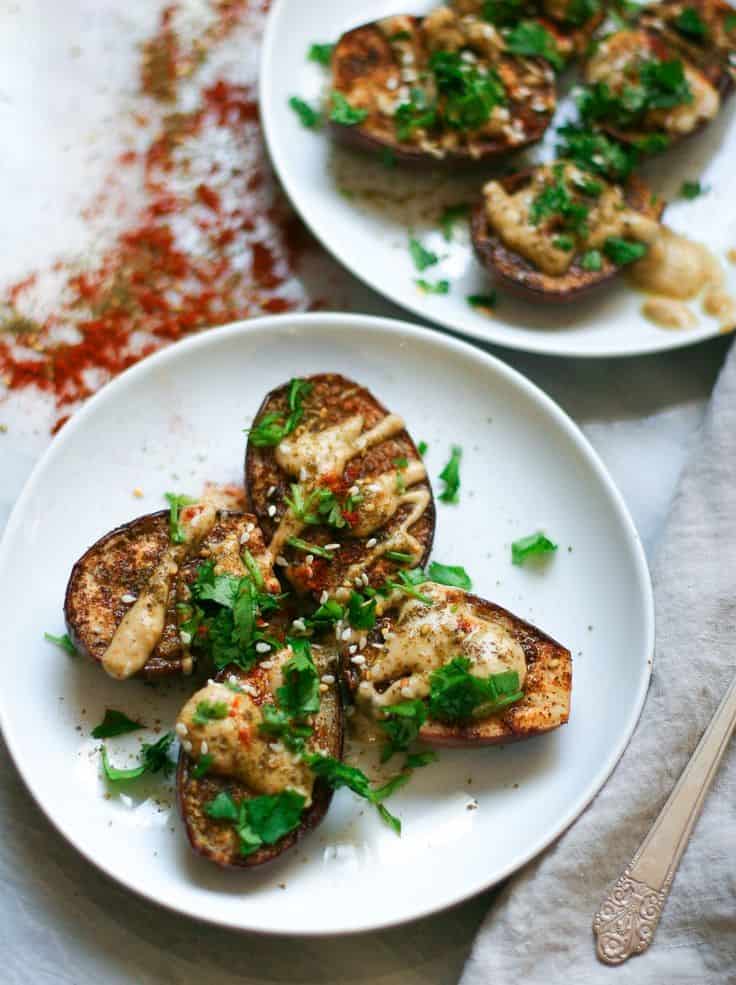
(141, 627)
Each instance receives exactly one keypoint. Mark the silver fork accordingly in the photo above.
(628, 917)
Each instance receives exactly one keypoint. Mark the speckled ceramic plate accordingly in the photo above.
(362, 211)
(175, 421)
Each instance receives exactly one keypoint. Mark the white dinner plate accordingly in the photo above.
(175, 421)
(362, 211)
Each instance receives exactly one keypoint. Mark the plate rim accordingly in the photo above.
(670, 340)
(389, 328)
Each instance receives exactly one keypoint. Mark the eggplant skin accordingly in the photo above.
(119, 564)
(332, 399)
(364, 55)
(547, 689)
(521, 277)
(217, 841)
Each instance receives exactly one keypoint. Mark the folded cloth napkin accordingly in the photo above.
(539, 929)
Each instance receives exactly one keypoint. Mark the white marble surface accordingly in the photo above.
(60, 920)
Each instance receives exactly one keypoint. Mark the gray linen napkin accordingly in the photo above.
(539, 929)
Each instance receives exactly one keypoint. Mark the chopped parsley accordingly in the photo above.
(591, 260)
(468, 97)
(422, 448)
(448, 574)
(502, 12)
(564, 243)
(531, 39)
(114, 723)
(320, 53)
(406, 584)
(433, 287)
(415, 114)
(273, 426)
(691, 24)
(729, 22)
(203, 765)
(401, 724)
(623, 251)
(308, 548)
(298, 696)
(456, 695)
(258, 821)
(320, 506)
(482, 300)
(450, 475)
(209, 711)
(580, 11)
(154, 758)
(660, 85)
(451, 216)
(421, 256)
(691, 190)
(176, 501)
(309, 117)
(345, 114)
(63, 641)
(556, 202)
(596, 152)
(278, 725)
(338, 774)
(527, 547)
(400, 36)
(388, 158)
(326, 615)
(361, 611)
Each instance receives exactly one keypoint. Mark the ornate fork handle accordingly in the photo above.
(628, 917)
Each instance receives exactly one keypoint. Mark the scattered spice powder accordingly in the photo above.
(213, 243)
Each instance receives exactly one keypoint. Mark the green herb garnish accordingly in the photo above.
(527, 547)
(401, 724)
(320, 53)
(399, 556)
(450, 475)
(564, 243)
(63, 641)
(361, 611)
(596, 152)
(433, 287)
(304, 545)
(273, 427)
(691, 24)
(260, 820)
(154, 758)
(114, 723)
(422, 448)
(580, 11)
(468, 96)
(176, 503)
(591, 260)
(531, 40)
(299, 694)
(345, 114)
(660, 85)
(452, 215)
(309, 117)
(448, 574)
(339, 774)
(203, 765)
(623, 251)
(209, 711)
(415, 114)
(691, 190)
(482, 300)
(456, 695)
(420, 255)
(502, 12)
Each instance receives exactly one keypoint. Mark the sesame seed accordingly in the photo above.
(267, 664)
(373, 487)
(342, 594)
(271, 490)
(186, 745)
(303, 474)
(362, 642)
(392, 84)
(127, 598)
(138, 492)
(407, 692)
(245, 537)
(328, 678)
(352, 648)
(285, 448)
(233, 679)
(358, 659)
(366, 580)
(323, 688)
(275, 747)
(372, 542)
(249, 689)
(332, 547)
(378, 646)
(181, 729)
(324, 597)
(346, 633)
(262, 647)
(358, 582)
(204, 748)
(354, 491)
(271, 510)
(299, 625)
(281, 561)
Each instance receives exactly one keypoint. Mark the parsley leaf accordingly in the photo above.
(468, 97)
(623, 251)
(345, 114)
(401, 724)
(320, 53)
(422, 448)
(209, 711)
(691, 24)
(691, 190)
(361, 611)
(591, 260)
(596, 152)
(279, 725)
(415, 114)
(532, 39)
(483, 300)
(527, 547)
(452, 215)
(154, 759)
(203, 765)
(176, 501)
(319, 506)
(447, 574)
(661, 85)
(63, 641)
(260, 820)
(438, 287)
(450, 475)
(299, 695)
(309, 117)
(502, 12)
(272, 427)
(580, 11)
(407, 582)
(114, 723)
(338, 774)
(421, 256)
(456, 695)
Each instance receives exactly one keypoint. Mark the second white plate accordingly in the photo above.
(362, 212)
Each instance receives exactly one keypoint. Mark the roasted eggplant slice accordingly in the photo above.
(263, 767)
(338, 487)
(569, 23)
(125, 589)
(643, 90)
(437, 89)
(705, 30)
(546, 233)
(438, 625)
